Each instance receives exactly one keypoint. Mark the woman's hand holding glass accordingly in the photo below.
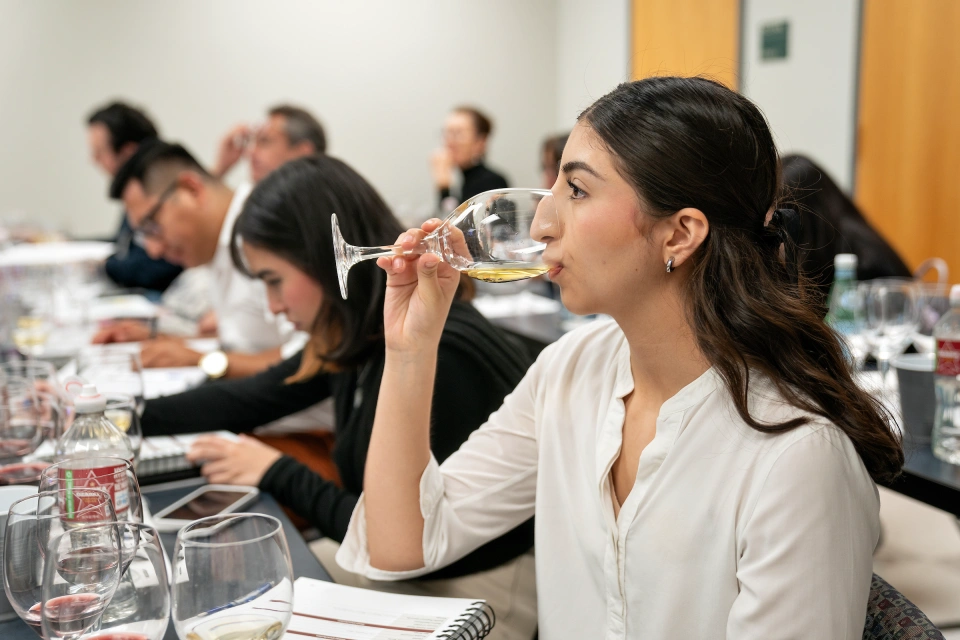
(420, 289)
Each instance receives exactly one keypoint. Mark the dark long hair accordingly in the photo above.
(832, 224)
(691, 142)
(288, 214)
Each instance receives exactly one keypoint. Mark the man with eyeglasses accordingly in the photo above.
(182, 213)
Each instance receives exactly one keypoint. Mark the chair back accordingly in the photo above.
(890, 616)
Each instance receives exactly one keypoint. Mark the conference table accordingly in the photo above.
(158, 496)
(925, 477)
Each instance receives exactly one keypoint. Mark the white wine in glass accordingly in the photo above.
(490, 237)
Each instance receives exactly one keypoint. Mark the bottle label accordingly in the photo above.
(948, 357)
(112, 480)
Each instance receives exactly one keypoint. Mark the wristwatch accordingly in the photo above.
(214, 364)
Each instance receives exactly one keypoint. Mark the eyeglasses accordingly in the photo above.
(148, 227)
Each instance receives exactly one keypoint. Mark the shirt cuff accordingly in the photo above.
(354, 554)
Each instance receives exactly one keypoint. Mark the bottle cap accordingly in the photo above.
(89, 400)
(845, 261)
(955, 295)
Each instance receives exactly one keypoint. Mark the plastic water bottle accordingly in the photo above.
(93, 436)
(946, 420)
(842, 311)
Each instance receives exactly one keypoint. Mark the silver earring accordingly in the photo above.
(669, 265)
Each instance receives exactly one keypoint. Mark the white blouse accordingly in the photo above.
(727, 533)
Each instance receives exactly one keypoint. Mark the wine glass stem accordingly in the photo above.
(369, 253)
(883, 364)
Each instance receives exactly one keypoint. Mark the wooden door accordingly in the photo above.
(908, 138)
(686, 37)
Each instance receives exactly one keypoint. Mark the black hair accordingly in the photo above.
(125, 123)
(691, 142)
(288, 214)
(830, 224)
(154, 165)
(300, 126)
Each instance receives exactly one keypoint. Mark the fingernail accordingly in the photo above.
(406, 238)
(398, 263)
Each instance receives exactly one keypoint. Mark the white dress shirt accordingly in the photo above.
(727, 532)
(244, 321)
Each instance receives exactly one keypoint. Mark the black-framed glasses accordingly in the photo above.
(148, 227)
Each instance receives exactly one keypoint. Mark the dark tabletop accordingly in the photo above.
(159, 496)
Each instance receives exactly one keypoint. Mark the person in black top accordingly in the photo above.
(830, 224)
(283, 237)
(465, 135)
(114, 133)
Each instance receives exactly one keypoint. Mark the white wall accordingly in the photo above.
(380, 74)
(593, 53)
(809, 98)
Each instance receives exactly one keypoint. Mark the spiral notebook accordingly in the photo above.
(329, 611)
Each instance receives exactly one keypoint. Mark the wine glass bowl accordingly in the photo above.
(80, 576)
(32, 523)
(491, 237)
(232, 577)
(891, 317)
(115, 476)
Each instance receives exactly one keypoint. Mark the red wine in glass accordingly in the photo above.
(21, 473)
(68, 614)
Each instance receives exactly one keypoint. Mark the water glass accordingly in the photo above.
(232, 578)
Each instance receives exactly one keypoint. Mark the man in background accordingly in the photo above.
(185, 215)
(114, 132)
(288, 133)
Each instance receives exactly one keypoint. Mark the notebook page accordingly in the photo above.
(332, 611)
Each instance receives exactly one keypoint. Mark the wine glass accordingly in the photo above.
(113, 475)
(80, 576)
(113, 370)
(31, 523)
(232, 578)
(21, 418)
(488, 237)
(122, 411)
(145, 615)
(51, 422)
(891, 316)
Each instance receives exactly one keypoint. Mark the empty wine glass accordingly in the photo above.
(232, 578)
(489, 237)
(891, 316)
(113, 475)
(31, 523)
(122, 411)
(80, 576)
(145, 614)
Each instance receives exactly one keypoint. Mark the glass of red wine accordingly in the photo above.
(31, 523)
(24, 419)
(143, 616)
(80, 575)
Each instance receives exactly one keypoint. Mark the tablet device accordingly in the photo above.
(208, 500)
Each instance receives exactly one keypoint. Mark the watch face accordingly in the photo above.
(214, 364)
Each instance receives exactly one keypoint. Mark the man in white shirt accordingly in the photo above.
(182, 213)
